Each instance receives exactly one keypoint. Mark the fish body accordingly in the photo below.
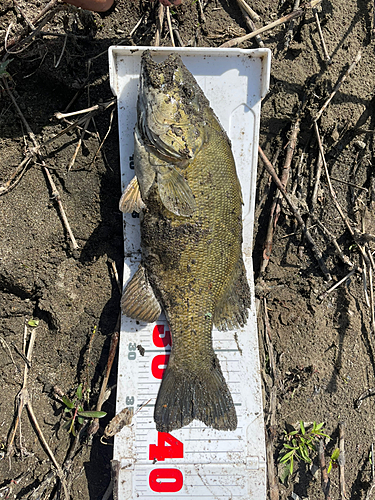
(191, 232)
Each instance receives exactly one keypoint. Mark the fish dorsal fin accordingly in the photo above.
(232, 308)
(138, 300)
(175, 192)
(131, 199)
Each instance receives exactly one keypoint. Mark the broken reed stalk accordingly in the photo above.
(341, 461)
(325, 481)
(296, 214)
(249, 11)
(276, 204)
(318, 175)
(249, 17)
(285, 19)
(170, 27)
(159, 25)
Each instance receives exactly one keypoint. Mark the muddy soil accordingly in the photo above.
(324, 347)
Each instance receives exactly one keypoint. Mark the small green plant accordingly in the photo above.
(75, 411)
(300, 443)
(333, 460)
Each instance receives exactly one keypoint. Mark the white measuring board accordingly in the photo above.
(195, 461)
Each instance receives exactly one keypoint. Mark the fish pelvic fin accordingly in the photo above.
(175, 192)
(131, 199)
(138, 300)
(185, 396)
(231, 310)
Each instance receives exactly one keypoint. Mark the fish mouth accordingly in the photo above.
(169, 109)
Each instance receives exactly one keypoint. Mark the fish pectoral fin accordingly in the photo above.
(175, 192)
(138, 300)
(232, 308)
(131, 199)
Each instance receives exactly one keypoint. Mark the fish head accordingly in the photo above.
(170, 109)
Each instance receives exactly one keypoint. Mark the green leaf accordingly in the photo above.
(3, 71)
(32, 322)
(92, 414)
(305, 455)
(329, 467)
(79, 392)
(290, 447)
(291, 465)
(287, 456)
(302, 428)
(293, 433)
(67, 402)
(72, 430)
(335, 455)
(80, 420)
(283, 472)
(317, 427)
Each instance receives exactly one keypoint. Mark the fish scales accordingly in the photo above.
(191, 237)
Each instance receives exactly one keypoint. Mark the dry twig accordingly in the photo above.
(94, 426)
(296, 214)
(290, 32)
(325, 481)
(24, 400)
(276, 204)
(159, 25)
(273, 484)
(336, 285)
(327, 58)
(55, 193)
(249, 17)
(372, 485)
(334, 197)
(341, 461)
(170, 27)
(338, 85)
(293, 15)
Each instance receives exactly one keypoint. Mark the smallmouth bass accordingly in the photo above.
(189, 198)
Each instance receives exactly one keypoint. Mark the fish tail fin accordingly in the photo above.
(185, 396)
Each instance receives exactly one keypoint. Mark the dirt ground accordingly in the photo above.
(323, 347)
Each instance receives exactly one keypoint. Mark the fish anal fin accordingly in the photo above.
(131, 199)
(185, 396)
(138, 300)
(232, 308)
(175, 192)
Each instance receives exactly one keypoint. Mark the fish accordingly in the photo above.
(188, 195)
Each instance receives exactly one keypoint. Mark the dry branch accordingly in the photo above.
(338, 85)
(341, 461)
(325, 481)
(293, 15)
(296, 214)
(325, 51)
(276, 204)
